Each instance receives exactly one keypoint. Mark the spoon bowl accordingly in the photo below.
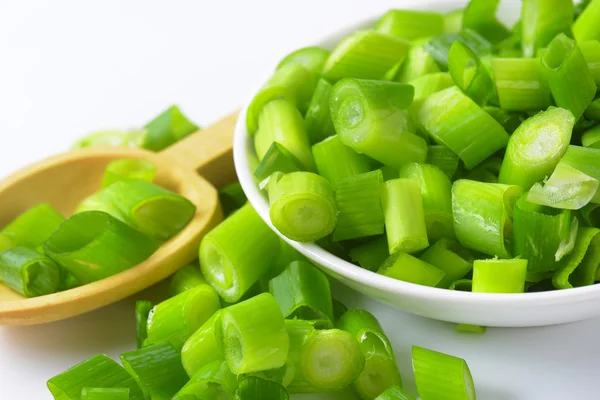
(66, 179)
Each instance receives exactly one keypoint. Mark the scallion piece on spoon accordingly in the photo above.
(120, 170)
(28, 272)
(33, 227)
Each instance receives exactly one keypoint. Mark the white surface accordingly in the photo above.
(68, 67)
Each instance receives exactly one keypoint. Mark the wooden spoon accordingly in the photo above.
(66, 179)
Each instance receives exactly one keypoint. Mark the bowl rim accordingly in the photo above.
(243, 146)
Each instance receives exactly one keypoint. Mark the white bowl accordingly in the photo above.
(509, 310)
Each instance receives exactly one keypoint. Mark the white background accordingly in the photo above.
(68, 67)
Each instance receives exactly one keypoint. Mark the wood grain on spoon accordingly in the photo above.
(66, 179)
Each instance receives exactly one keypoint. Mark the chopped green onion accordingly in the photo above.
(405, 225)
(469, 73)
(28, 272)
(93, 245)
(407, 268)
(311, 58)
(425, 86)
(303, 292)
(520, 84)
(418, 63)
(124, 138)
(580, 267)
(439, 46)
(586, 26)
(231, 197)
(436, 193)
(280, 122)
(292, 82)
(443, 158)
(455, 121)
(441, 376)
(120, 170)
(411, 24)
(568, 75)
(450, 257)
(482, 214)
(538, 233)
(169, 127)
(319, 124)
(204, 346)
(336, 161)
(178, 317)
(303, 206)
(468, 328)
(365, 55)
(536, 147)
(593, 111)
(370, 117)
(591, 53)
(157, 369)
(32, 228)
(214, 381)
(67, 281)
(151, 209)
(329, 360)
(98, 371)
(499, 276)
(394, 393)
(567, 188)
(542, 20)
(591, 138)
(186, 278)
(253, 388)
(142, 311)
(509, 120)
(380, 370)
(232, 256)
(277, 159)
(372, 254)
(254, 335)
(586, 160)
(359, 205)
(299, 332)
(462, 285)
(480, 16)
(453, 21)
(105, 394)
(591, 214)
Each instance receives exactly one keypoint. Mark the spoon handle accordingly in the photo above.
(208, 151)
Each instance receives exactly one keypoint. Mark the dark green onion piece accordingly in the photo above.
(336, 161)
(303, 206)
(538, 232)
(254, 335)
(186, 278)
(450, 257)
(480, 16)
(319, 124)
(469, 73)
(98, 371)
(371, 254)
(441, 376)
(232, 256)
(359, 205)
(149, 208)
(443, 158)
(520, 84)
(178, 317)
(231, 197)
(418, 63)
(436, 193)
(411, 24)
(120, 170)
(157, 369)
(253, 388)
(365, 55)
(312, 58)
(462, 285)
(439, 46)
(407, 268)
(542, 20)
(487, 171)
(292, 82)
(591, 215)
(204, 346)
(116, 138)
(32, 228)
(405, 224)
(593, 111)
(536, 147)
(568, 75)
(169, 127)
(28, 272)
(214, 381)
(591, 138)
(591, 53)
(394, 393)
(277, 159)
(586, 26)
(302, 291)
(457, 122)
(581, 266)
(499, 276)
(380, 370)
(67, 281)
(482, 214)
(105, 394)
(93, 245)
(142, 311)
(586, 160)
(370, 117)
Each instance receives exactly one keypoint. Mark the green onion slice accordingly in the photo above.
(28, 272)
(468, 73)
(214, 381)
(204, 346)
(411, 24)
(372, 254)
(186, 278)
(407, 268)
(121, 170)
(253, 388)
(394, 393)
(169, 127)
(336, 161)
(542, 20)
(499, 276)
(450, 257)
(580, 268)
(142, 311)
